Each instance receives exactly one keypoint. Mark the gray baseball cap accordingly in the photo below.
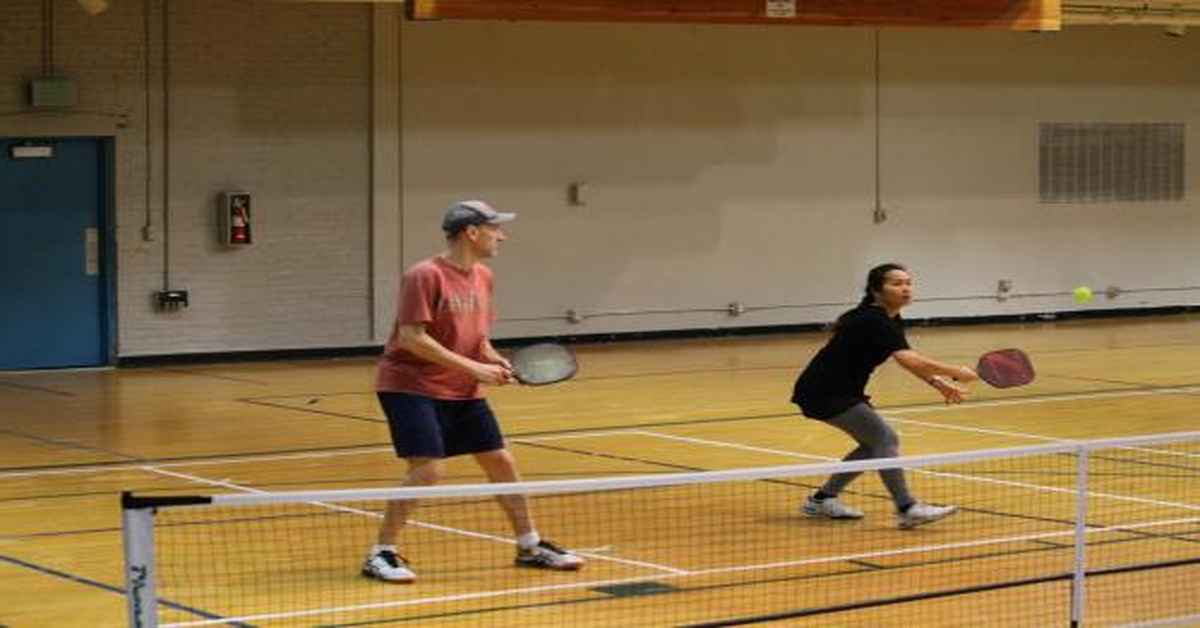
(465, 213)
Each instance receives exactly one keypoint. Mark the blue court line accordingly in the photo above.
(110, 588)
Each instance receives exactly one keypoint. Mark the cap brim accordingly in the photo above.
(502, 217)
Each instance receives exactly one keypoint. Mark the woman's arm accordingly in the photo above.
(939, 375)
(928, 368)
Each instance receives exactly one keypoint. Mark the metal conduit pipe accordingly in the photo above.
(1144, 14)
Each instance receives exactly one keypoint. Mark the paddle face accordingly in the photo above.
(544, 363)
(1005, 368)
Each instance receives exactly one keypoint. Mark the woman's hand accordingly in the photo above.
(965, 374)
(951, 392)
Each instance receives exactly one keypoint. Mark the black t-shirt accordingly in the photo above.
(836, 379)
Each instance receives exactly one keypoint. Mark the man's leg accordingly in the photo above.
(416, 436)
(421, 472)
(532, 549)
(500, 466)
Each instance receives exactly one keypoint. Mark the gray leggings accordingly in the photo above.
(876, 439)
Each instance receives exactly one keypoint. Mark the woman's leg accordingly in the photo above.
(876, 439)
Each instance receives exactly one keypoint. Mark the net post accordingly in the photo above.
(137, 533)
(1078, 582)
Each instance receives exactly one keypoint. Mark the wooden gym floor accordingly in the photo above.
(71, 441)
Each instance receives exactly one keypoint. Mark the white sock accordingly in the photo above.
(529, 541)
(383, 548)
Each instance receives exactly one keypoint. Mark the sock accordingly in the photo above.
(382, 548)
(821, 496)
(529, 541)
(903, 509)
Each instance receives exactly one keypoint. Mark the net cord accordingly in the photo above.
(680, 479)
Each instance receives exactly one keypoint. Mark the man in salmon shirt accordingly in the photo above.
(429, 385)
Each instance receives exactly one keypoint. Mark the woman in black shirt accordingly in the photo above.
(832, 389)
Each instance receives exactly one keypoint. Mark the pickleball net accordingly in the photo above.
(1105, 532)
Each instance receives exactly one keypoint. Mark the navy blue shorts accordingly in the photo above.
(424, 427)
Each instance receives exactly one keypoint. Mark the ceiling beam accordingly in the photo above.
(1000, 14)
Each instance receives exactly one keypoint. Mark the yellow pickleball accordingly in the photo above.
(1083, 294)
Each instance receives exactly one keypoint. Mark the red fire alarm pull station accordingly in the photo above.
(237, 219)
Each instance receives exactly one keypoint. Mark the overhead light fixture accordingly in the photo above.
(94, 7)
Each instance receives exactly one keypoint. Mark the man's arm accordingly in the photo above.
(414, 339)
(491, 356)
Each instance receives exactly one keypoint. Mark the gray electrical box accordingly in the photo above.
(52, 92)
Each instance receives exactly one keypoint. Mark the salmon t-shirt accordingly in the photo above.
(455, 306)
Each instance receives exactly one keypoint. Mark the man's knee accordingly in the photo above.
(501, 458)
(425, 471)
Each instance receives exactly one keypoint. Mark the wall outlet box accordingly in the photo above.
(171, 300)
(52, 92)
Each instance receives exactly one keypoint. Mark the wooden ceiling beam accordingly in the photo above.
(999, 14)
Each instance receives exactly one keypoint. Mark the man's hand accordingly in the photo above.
(493, 374)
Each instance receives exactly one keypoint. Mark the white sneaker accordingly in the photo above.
(830, 507)
(921, 514)
(546, 555)
(387, 566)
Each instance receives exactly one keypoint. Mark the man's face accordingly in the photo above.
(485, 239)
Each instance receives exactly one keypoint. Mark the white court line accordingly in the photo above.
(980, 430)
(1072, 396)
(412, 522)
(960, 476)
(195, 463)
(915, 409)
(704, 572)
(112, 468)
(1189, 620)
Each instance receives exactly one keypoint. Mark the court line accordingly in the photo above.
(66, 444)
(584, 432)
(1009, 433)
(412, 522)
(27, 387)
(227, 378)
(1051, 398)
(1174, 621)
(961, 476)
(308, 410)
(200, 461)
(63, 575)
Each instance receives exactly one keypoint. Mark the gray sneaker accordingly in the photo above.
(387, 566)
(546, 555)
(831, 508)
(920, 514)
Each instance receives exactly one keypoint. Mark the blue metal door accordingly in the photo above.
(53, 286)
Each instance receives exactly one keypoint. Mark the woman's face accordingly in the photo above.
(897, 290)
